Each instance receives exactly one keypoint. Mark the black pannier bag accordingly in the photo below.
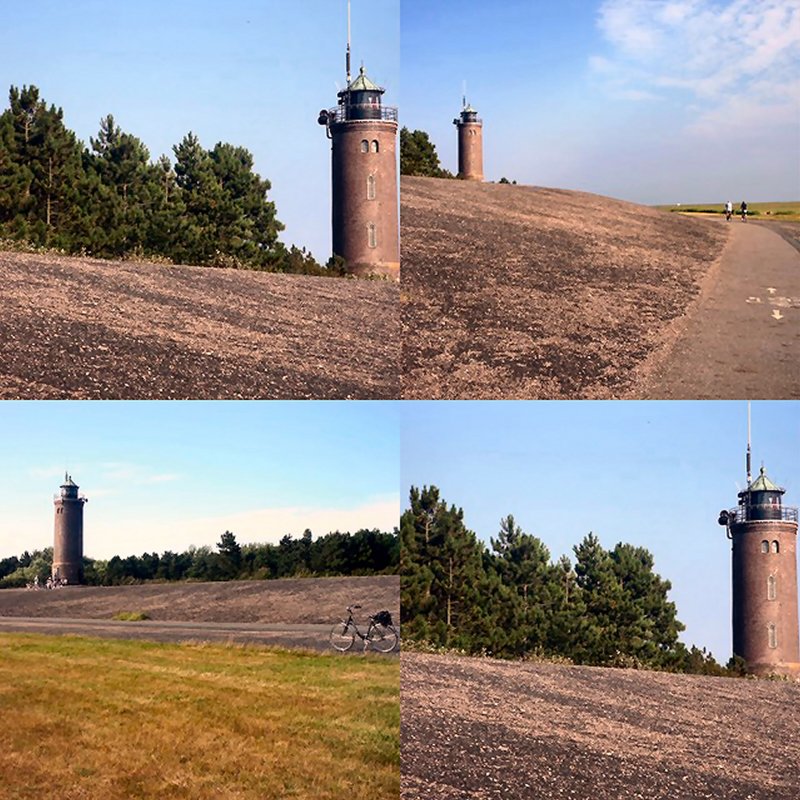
(383, 618)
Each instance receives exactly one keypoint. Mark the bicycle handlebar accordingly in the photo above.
(352, 608)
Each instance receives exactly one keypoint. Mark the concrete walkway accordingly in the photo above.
(742, 338)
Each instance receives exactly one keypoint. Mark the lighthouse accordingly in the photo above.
(68, 539)
(470, 143)
(364, 213)
(763, 535)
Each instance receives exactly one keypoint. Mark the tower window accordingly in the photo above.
(776, 548)
(372, 236)
(773, 635)
(765, 546)
(772, 588)
(375, 146)
(371, 187)
(364, 146)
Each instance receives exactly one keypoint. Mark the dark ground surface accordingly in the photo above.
(477, 729)
(88, 329)
(525, 292)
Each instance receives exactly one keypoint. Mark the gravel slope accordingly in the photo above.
(296, 600)
(477, 729)
(524, 292)
(83, 328)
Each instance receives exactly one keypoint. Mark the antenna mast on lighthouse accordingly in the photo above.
(749, 476)
(348, 43)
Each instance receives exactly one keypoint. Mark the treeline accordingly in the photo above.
(109, 200)
(609, 608)
(365, 552)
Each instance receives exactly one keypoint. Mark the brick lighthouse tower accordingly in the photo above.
(68, 542)
(363, 134)
(763, 534)
(470, 143)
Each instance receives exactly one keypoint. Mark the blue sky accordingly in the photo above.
(654, 101)
(253, 73)
(651, 473)
(166, 475)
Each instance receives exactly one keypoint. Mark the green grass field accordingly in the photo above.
(788, 211)
(102, 718)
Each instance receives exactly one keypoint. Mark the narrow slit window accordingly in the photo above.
(765, 546)
(372, 235)
(773, 635)
(375, 146)
(364, 146)
(772, 588)
(371, 187)
(776, 548)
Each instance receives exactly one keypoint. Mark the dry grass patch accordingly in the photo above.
(120, 719)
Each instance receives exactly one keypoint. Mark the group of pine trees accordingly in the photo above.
(608, 608)
(109, 199)
(365, 552)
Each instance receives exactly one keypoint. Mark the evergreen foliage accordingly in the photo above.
(365, 552)
(111, 201)
(418, 155)
(511, 600)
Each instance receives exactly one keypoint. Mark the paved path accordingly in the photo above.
(742, 339)
(311, 637)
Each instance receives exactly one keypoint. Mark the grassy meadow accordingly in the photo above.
(788, 211)
(103, 718)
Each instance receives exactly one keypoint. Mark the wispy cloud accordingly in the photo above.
(735, 60)
(118, 472)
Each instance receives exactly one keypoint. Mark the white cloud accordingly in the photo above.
(737, 58)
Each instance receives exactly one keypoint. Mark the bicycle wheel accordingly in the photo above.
(342, 637)
(383, 638)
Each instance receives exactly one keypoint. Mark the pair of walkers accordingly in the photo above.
(729, 210)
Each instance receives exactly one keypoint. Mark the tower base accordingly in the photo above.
(785, 670)
(387, 270)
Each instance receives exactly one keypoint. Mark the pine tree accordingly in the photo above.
(442, 568)
(523, 563)
(651, 633)
(602, 594)
(48, 168)
(230, 554)
(121, 162)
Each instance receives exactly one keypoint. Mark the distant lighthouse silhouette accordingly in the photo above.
(763, 534)
(363, 134)
(68, 539)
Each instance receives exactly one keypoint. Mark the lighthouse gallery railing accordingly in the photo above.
(763, 513)
(362, 112)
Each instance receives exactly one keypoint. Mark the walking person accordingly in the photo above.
(743, 209)
(728, 210)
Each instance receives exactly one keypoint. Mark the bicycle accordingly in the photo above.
(381, 633)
